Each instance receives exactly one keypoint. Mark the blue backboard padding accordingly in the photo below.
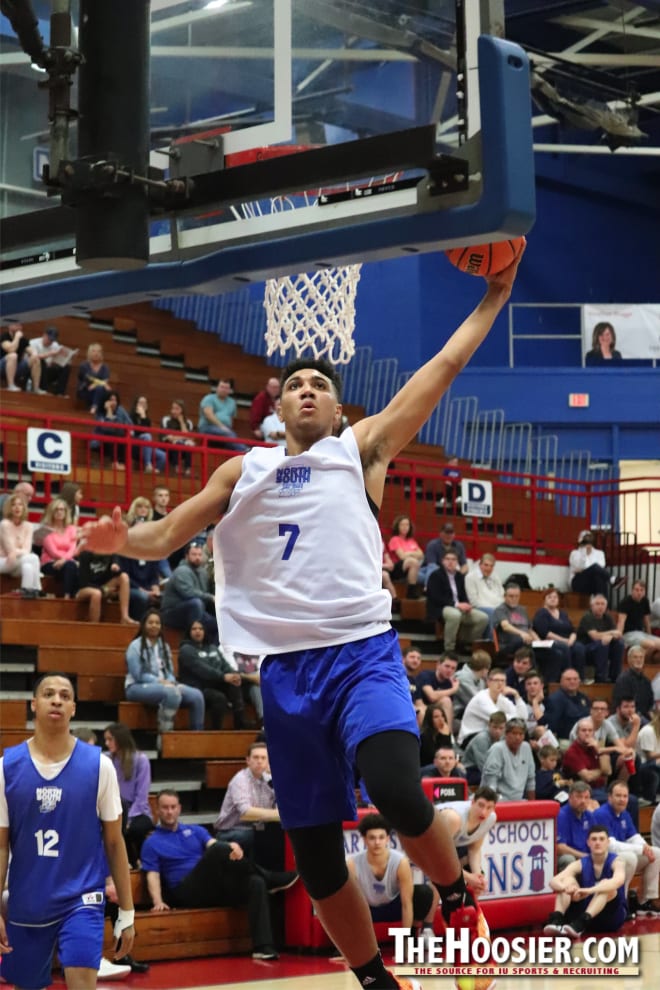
(505, 208)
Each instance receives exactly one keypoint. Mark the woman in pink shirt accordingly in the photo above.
(407, 554)
(60, 546)
(16, 555)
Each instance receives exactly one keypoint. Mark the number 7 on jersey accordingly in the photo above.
(292, 531)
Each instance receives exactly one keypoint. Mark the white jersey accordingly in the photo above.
(463, 837)
(298, 552)
(378, 892)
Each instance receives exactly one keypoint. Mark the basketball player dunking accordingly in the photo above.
(298, 578)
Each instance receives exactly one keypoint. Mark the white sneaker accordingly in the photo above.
(13, 388)
(110, 971)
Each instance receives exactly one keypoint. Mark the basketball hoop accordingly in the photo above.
(311, 313)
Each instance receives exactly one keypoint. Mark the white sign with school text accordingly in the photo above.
(476, 498)
(49, 451)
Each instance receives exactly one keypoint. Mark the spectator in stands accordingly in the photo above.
(101, 577)
(603, 642)
(550, 783)
(509, 767)
(216, 414)
(625, 841)
(263, 405)
(626, 723)
(552, 623)
(143, 575)
(151, 681)
(60, 547)
(436, 549)
(474, 755)
(412, 662)
(512, 623)
(140, 511)
(440, 685)
(655, 827)
(435, 732)
(14, 366)
(249, 666)
(188, 596)
(472, 677)
(44, 369)
(72, 494)
(587, 571)
(406, 553)
(521, 664)
(272, 428)
(202, 665)
(249, 801)
(161, 501)
(584, 761)
(567, 705)
(496, 697)
(179, 425)
(634, 620)
(447, 600)
(633, 683)
(93, 379)
(134, 776)
(111, 421)
(591, 895)
(445, 764)
(186, 868)
(603, 347)
(452, 497)
(24, 488)
(648, 748)
(388, 584)
(573, 822)
(484, 589)
(16, 555)
(535, 696)
(153, 458)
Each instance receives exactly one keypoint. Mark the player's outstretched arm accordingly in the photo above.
(156, 540)
(390, 430)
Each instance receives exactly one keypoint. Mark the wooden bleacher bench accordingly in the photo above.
(218, 773)
(183, 933)
(223, 744)
(136, 715)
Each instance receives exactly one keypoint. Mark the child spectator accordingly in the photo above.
(549, 782)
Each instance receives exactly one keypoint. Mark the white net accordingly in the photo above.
(313, 313)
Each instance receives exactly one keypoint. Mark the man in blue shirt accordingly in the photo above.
(573, 823)
(217, 411)
(185, 865)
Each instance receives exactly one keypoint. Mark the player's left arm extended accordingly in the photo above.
(115, 851)
(390, 430)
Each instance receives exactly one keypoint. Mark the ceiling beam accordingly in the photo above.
(607, 27)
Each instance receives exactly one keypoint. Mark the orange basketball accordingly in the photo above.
(485, 259)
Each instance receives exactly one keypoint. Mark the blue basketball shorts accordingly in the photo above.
(319, 705)
(78, 938)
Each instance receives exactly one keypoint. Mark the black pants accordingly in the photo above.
(595, 580)
(218, 700)
(218, 881)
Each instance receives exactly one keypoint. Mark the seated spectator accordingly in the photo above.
(553, 624)
(272, 428)
(603, 642)
(509, 768)
(474, 756)
(587, 571)
(648, 748)
(385, 878)
(634, 621)
(134, 776)
(626, 724)
(435, 732)
(633, 683)
(264, 405)
(249, 666)
(536, 721)
(14, 366)
(16, 556)
(584, 761)
(93, 379)
(72, 493)
(179, 425)
(186, 868)
(140, 511)
(101, 577)
(445, 764)
(111, 421)
(549, 782)
(60, 546)
(436, 549)
(511, 622)
(388, 584)
(447, 600)
(188, 596)
(439, 686)
(151, 681)
(452, 497)
(47, 373)
(153, 458)
(590, 891)
(412, 662)
(521, 664)
(249, 802)
(216, 414)
(573, 822)
(406, 553)
(625, 841)
(24, 488)
(472, 677)
(202, 665)
(484, 589)
(496, 697)
(566, 705)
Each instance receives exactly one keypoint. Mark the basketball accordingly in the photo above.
(486, 259)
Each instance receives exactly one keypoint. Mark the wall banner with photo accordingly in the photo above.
(636, 329)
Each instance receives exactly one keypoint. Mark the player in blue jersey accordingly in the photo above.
(298, 557)
(60, 818)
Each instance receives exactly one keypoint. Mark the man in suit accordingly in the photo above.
(447, 600)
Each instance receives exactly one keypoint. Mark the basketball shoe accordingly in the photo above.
(406, 984)
(472, 917)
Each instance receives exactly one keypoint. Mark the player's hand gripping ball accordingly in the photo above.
(486, 259)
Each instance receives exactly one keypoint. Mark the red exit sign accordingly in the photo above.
(578, 400)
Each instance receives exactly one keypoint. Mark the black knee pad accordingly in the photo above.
(320, 858)
(389, 764)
